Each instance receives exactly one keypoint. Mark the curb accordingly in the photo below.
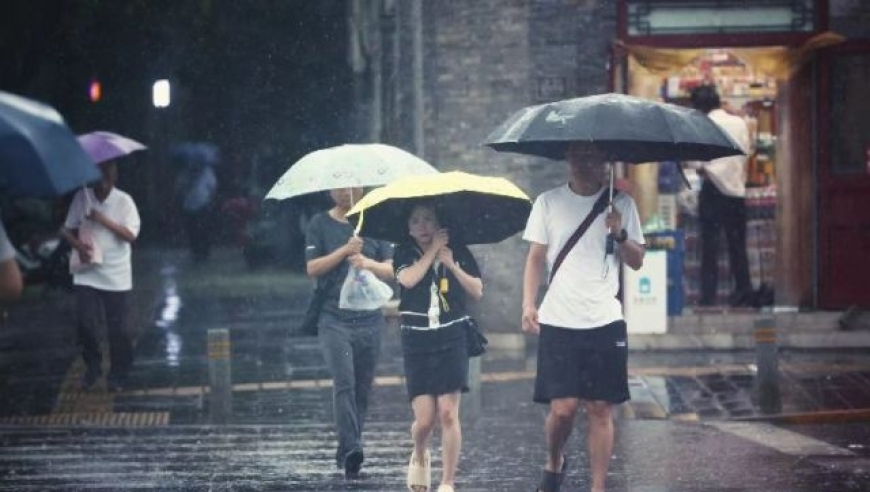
(819, 417)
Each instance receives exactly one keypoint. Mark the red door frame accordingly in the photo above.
(826, 297)
(735, 40)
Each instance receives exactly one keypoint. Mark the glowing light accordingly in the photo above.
(95, 91)
(160, 94)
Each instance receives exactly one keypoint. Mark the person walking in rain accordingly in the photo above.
(722, 205)
(101, 225)
(583, 349)
(350, 340)
(196, 187)
(435, 279)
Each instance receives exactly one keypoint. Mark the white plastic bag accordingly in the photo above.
(76, 265)
(363, 291)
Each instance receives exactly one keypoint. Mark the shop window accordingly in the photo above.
(848, 123)
(651, 17)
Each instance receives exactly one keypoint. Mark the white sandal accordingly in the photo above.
(419, 476)
(446, 488)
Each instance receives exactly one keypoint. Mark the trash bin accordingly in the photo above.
(673, 242)
(645, 293)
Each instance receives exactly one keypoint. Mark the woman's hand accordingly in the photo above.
(445, 256)
(440, 240)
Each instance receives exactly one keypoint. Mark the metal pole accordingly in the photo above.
(417, 70)
(767, 362)
(472, 402)
(220, 404)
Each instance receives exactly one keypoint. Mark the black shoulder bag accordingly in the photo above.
(315, 305)
(597, 208)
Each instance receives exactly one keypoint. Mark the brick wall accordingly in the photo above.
(483, 60)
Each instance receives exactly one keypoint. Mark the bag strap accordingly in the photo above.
(597, 208)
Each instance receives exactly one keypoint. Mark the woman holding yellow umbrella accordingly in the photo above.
(437, 274)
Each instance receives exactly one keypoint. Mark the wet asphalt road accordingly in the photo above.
(682, 432)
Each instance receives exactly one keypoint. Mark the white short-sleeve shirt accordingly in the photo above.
(583, 292)
(115, 273)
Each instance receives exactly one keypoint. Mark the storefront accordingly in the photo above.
(770, 61)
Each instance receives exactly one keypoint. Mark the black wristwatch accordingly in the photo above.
(621, 237)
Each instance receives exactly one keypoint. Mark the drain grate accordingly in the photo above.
(98, 419)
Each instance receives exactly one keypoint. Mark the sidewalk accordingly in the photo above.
(276, 373)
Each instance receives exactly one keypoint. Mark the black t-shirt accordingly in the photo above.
(325, 235)
(414, 302)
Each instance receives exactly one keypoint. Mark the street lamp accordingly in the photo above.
(160, 94)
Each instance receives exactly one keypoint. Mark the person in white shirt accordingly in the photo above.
(583, 349)
(722, 204)
(101, 225)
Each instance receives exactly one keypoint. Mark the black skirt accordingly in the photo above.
(436, 361)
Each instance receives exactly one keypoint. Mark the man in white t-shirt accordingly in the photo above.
(722, 204)
(582, 352)
(101, 225)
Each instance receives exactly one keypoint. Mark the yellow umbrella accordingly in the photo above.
(476, 209)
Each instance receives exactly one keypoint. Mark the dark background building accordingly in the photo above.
(270, 80)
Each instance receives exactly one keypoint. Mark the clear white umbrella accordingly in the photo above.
(348, 166)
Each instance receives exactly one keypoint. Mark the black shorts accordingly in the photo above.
(588, 364)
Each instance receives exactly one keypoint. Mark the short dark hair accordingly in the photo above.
(705, 98)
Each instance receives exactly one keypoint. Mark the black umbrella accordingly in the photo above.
(39, 155)
(476, 209)
(624, 128)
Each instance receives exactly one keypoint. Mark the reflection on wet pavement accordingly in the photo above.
(155, 435)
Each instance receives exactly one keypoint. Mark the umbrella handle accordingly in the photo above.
(359, 223)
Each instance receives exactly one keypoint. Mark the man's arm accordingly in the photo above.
(382, 269)
(632, 253)
(11, 283)
(318, 267)
(532, 276)
(117, 229)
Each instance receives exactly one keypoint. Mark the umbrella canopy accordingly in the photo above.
(197, 154)
(39, 155)
(624, 128)
(475, 209)
(348, 166)
(105, 146)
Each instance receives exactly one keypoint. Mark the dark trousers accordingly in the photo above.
(351, 351)
(718, 211)
(100, 310)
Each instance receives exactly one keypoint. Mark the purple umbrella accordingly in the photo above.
(105, 146)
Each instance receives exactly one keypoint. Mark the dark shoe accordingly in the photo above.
(352, 463)
(552, 481)
(741, 299)
(90, 378)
